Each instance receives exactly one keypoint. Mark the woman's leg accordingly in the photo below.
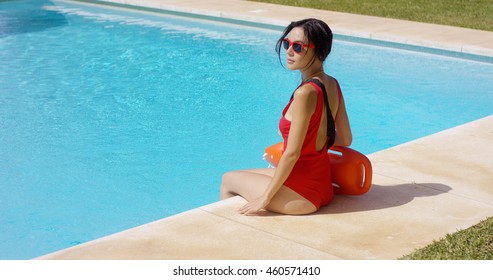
(251, 184)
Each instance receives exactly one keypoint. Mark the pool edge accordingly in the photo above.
(475, 45)
(420, 185)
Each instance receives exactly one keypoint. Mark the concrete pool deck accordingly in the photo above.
(422, 190)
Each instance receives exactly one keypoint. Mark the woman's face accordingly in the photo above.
(302, 59)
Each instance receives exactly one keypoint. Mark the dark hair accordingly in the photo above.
(316, 31)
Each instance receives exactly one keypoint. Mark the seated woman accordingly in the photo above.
(302, 182)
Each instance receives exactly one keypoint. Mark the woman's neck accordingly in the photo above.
(311, 73)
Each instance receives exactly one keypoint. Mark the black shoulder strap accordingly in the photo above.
(331, 129)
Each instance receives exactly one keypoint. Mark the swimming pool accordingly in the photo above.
(110, 119)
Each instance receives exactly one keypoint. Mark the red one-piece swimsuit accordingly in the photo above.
(311, 176)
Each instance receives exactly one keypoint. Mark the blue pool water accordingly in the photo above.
(110, 119)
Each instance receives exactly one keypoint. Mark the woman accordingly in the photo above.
(301, 183)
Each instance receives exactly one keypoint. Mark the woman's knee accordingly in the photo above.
(228, 178)
(249, 185)
(229, 184)
(225, 190)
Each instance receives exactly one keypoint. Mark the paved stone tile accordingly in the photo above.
(191, 235)
(391, 220)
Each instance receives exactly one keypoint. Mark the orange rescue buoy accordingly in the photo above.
(351, 170)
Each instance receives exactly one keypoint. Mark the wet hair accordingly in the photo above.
(316, 31)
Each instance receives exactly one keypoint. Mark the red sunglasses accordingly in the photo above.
(297, 47)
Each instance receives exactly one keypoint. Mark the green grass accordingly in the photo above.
(475, 14)
(474, 243)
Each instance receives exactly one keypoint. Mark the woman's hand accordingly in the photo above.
(254, 206)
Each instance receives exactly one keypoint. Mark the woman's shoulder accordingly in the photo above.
(306, 91)
(331, 85)
(330, 80)
(305, 94)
